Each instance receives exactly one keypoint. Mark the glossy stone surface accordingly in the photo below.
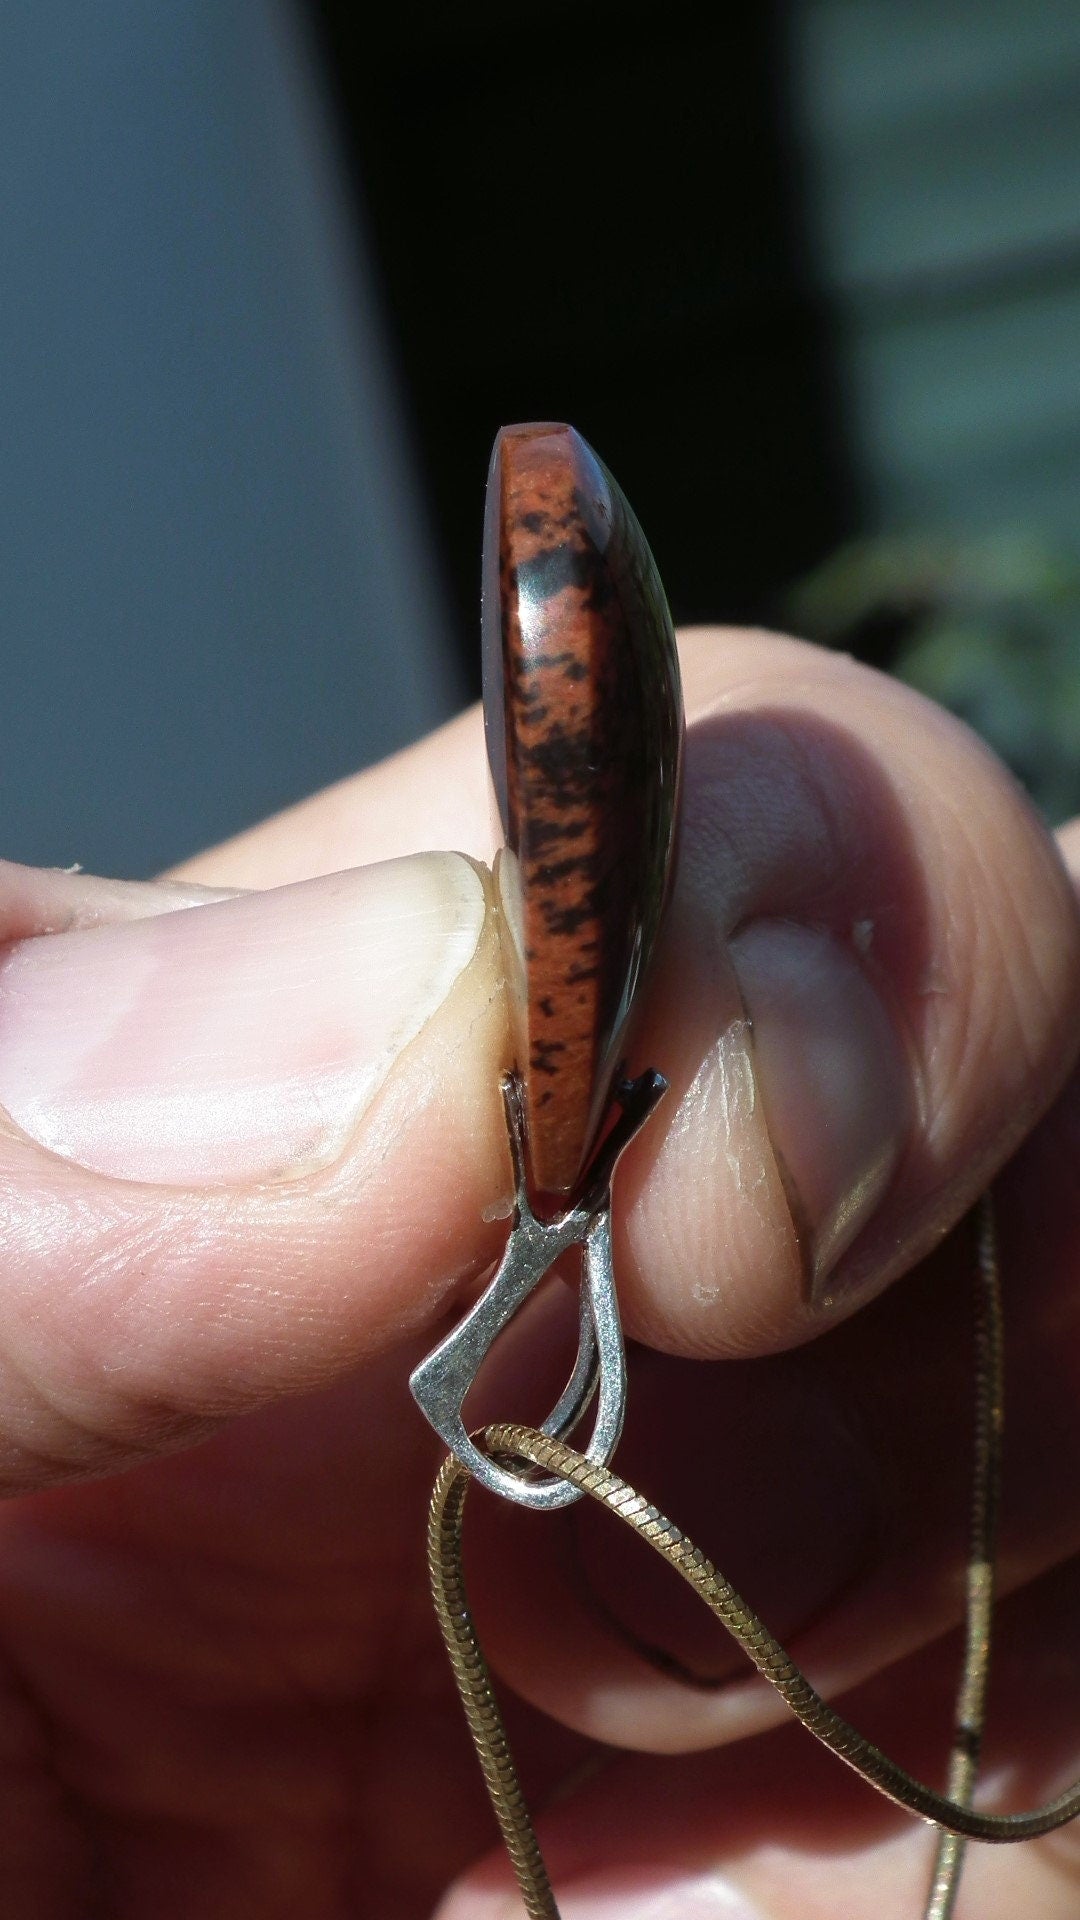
(583, 711)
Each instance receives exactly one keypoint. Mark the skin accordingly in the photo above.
(222, 1689)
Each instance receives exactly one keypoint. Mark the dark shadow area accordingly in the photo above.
(599, 219)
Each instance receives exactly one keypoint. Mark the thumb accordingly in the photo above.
(241, 1145)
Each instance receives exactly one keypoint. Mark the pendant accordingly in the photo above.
(583, 719)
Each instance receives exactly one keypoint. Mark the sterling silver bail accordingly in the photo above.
(442, 1381)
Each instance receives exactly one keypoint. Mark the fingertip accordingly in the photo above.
(871, 990)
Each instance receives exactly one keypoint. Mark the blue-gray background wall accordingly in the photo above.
(215, 588)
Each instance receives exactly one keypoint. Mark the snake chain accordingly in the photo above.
(951, 1811)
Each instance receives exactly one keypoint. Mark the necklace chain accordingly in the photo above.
(952, 1811)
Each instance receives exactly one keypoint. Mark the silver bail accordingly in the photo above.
(442, 1381)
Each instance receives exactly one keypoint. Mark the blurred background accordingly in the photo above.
(807, 275)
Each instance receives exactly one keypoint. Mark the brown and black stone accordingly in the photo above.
(583, 712)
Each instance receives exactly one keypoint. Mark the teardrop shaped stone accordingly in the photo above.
(583, 712)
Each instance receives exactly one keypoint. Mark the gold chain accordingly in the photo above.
(970, 1713)
(523, 1446)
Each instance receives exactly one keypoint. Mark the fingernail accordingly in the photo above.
(833, 1080)
(232, 1041)
(708, 1896)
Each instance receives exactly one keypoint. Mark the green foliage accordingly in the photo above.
(989, 626)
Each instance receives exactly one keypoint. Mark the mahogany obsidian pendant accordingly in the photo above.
(584, 725)
(583, 713)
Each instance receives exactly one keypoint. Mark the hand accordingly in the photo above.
(256, 1162)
